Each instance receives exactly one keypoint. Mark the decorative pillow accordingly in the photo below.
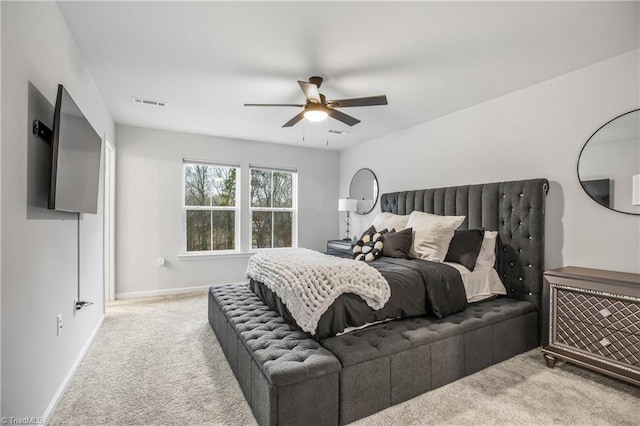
(465, 247)
(432, 235)
(397, 244)
(390, 221)
(487, 255)
(369, 247)
(370, 231)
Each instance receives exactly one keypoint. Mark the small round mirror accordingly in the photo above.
(364, 188)
(609, 164)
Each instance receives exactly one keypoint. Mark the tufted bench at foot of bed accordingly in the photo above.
(290, 379)
(286, 377)
(395, 361)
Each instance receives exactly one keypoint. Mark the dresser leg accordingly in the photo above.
(550, 360)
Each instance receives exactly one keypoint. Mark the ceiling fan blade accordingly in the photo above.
(273, 105)
(310, 91)
(294, 120)
(355, 102)
(341, 116)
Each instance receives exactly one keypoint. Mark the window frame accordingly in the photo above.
(236, 209)
(293, 209)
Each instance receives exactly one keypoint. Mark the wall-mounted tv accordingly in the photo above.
(75, 161)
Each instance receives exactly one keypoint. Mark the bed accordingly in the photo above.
(414, 285)
(290, 378)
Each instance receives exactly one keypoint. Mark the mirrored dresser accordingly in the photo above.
(594, 320)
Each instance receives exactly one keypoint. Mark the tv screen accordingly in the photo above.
(75, 167)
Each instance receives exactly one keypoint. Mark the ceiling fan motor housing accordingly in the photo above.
(316, 80)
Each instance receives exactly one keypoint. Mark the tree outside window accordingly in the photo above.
(210, 207)
(272, 208)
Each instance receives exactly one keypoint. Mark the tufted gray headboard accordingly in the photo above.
(514, 209)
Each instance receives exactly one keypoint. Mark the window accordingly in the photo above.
(273, 208)
(210, 211)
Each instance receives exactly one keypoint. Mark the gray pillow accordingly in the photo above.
(465, 247)
(397, 244)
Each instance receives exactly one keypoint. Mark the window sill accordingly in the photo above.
(260, 250)
(226, 254)
(210, 255)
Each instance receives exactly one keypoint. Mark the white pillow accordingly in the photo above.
(480, 284)
(432, 235)
(390, 221)
(487, 255)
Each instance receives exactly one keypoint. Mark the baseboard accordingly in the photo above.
(72, 372)
(165, 292)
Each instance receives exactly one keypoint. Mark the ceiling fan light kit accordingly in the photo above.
(318, 108)
(315, 112)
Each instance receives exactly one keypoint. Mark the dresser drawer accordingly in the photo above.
(616, 314)
(613, 345)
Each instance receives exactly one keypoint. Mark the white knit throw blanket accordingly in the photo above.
(308, 282)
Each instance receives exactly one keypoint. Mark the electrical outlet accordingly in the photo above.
(59, 324)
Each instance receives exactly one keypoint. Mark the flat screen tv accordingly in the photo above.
(75, 161)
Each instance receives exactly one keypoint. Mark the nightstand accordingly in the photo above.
(340, 248)
(594, 320)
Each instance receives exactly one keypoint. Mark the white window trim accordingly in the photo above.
(206, 255)
(236, 208)
(293, 209)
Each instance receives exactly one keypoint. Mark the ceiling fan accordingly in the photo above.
(318, 107)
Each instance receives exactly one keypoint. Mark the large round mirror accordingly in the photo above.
(609, 164)
(364, 188)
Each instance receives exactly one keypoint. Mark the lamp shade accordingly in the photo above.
(347, 205)
(635, 198)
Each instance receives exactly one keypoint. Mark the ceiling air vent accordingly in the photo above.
(148, 102)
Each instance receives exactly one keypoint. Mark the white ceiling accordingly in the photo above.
(430, 58)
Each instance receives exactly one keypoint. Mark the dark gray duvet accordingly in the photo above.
(418, 287)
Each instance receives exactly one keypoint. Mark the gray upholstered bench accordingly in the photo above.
(392, 362)
(286, 377)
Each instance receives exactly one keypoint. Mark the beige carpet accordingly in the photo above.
(157, 362)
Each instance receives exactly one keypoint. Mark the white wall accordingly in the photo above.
(149, 205)
(39, 247)
(534, 132)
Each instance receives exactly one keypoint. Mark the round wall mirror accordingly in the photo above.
(364, 188)
(609, 164)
